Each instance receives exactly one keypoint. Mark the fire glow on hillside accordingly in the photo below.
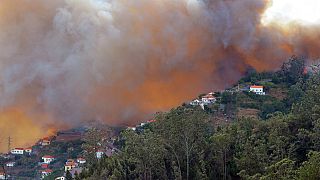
(65, 62)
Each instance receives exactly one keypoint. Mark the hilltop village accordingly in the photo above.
(101, 151)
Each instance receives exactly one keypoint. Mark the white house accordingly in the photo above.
(257, 90)
(99, 154)
(10, 164)
(60, 178)
(45, 142)
(81, 161)
(70, 165)
(18, 151)
(45, 173)
(47, 159)
(2, 175)
(208, 99)
(195, 102)
(28, 150)
(132, 128)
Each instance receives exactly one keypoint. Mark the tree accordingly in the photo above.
(310, 169)
(293, 70)
(281, 170)
(68, 175)
(183, 132)
(95, 139)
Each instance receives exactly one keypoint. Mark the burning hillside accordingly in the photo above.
(71, 61)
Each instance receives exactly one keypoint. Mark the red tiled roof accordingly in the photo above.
(254, 86)
(47, 156)
(28, 148)
(18, 149)
(44, 166)
(151, 121)
(47, 171)
(70, 164)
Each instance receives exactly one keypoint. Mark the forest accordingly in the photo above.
(282, 142)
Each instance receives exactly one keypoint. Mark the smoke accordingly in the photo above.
(67, 62)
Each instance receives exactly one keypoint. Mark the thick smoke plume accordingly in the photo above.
(64, 62)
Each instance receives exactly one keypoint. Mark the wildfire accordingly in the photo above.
(67, 62)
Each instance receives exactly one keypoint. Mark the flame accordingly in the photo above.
(21, 129)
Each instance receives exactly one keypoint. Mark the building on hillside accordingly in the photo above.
(60, 178)
(48, 159)
(195, 102)
(99, 154)
(45, 173)
(2, 173)
(44, 166)
(131, 128)
(45, 141)
(257, 90)
(28, 150)
(81, 160)
(70, 165)
(151, 121)
(10, 164)
(208, 99)
(17, 151)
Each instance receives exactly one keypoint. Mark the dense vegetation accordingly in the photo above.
(283, 142)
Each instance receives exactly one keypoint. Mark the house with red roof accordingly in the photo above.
(48, 159)
(45, 173)
(81, 160)
(99, 154)
(151, 121)
(208, 99)
(45, 141)
(28, 150)
(70, 164)
(2, 173)
(257, 90)
(17, 151)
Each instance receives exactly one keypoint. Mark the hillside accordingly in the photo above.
(236, 133)
(241, 135)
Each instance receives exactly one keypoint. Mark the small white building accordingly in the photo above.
(45, 142)
(70, 165)
(17, 151)
(45, 173)
(60, 178)
(208, 99)
(28, 150)
(132, 128)
(10, 164)
(99, 154)
(47, 159)
(2, 175)
(257, 90)
(195, 102)
(81, 161)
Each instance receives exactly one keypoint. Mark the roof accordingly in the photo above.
(208, 96)
(18, 149)
(47, 171)
(44, 165)
(151, 121)
(47, 156)
(28, 148)
(81, 159)
(71, 164)
(254, 86)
